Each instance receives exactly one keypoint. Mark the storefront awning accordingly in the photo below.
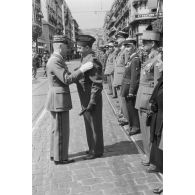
(152, 4)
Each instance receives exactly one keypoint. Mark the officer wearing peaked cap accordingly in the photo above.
(59, 100)
(119, 66)
(150, 41)
(130, 86)
(109, 67)
(90, 93)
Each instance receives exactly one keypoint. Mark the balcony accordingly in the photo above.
(149, 16)
(124, 13)
(137, 3)
(112, 31)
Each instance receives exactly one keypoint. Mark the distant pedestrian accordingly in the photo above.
(44, 63)
(35, 62)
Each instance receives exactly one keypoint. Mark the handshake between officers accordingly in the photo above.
(88, 78)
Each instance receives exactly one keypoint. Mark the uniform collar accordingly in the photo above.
(133, 55)
(58, 56)
(87, 57)
(153, 53)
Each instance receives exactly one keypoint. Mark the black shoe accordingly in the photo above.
(123, 123)
(92, 156)
(158, 190)
(152, 170)
(62, 162)
(88, 152)
(145, 163)
(134, 131)
(51, 158)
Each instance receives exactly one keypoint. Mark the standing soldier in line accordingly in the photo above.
(101, 57)
(59, 100)
(120, 68)
(130, 86)
(90, 93)
(115, 54)
(109, 67)
(105, 57)
(146, 87)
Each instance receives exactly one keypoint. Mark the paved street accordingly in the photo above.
(118, 172)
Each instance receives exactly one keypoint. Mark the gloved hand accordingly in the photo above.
(85, 67)
(90, 107)
(130, 96)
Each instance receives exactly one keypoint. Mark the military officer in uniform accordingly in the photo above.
(90, 93)
(115, 54)
(120, 66)
(130, 84)
(146, 86)
(59, 100)
(109, 67)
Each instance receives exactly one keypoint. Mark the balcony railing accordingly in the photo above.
(137, 3)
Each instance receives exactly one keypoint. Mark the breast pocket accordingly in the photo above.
(62, 101)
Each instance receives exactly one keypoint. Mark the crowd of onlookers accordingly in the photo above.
(39, 60)
(134, 75)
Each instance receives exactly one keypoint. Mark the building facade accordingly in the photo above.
(132, 16)
(56, 19)
(36, 24)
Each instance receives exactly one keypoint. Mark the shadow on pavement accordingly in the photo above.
(117, 149)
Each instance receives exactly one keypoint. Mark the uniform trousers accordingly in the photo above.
(59, 142)
(145, 131)
(120, 99)
(156, 156)
(113, 88)
(128, 107)
(133, 114)
(94, 129)
(109, 84)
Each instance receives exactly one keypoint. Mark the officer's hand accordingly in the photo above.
(90, 107)
(87, 66)
(130, 96)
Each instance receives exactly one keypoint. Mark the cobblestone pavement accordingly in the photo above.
(118, 172)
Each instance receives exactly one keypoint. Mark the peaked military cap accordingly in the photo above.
(106, 46)
(84, 40)
(129, 41)
(122, 34)
(60, 39)
(151, 35)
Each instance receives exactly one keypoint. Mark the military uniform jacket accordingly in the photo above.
(146, 85)
(132, 73)
(110, 64)
(157, 118)
(90, 85)
(59, 78)
(103, 60)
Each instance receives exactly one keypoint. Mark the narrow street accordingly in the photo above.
(118, 172)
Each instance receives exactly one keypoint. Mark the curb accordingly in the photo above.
(130, 138)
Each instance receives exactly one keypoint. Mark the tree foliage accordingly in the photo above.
(36, 31)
